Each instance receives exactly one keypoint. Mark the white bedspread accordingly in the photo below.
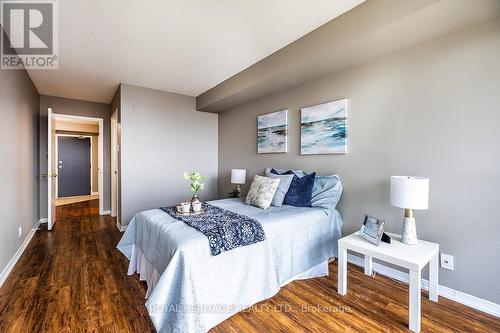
(192, 291)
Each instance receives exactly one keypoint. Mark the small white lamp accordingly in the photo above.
(238, 177)
(409, 193)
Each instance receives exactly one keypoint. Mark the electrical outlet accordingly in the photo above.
(447, 262)
(20, 232)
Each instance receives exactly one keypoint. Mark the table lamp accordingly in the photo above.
(409, 193)
(238, 177)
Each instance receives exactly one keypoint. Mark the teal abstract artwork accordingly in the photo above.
(323, 128)
(272, 132)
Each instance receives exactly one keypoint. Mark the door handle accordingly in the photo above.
(49, 175)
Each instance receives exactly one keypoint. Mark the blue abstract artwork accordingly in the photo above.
(272, 132)
(323, 128)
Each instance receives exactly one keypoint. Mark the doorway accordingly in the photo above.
(75, 162)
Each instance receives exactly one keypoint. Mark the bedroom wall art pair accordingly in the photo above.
(323, 130)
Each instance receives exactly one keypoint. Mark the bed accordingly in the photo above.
(190, 290)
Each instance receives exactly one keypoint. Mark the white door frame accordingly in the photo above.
(114, 164)
(50, 173)
(92, 166)
(100, 158)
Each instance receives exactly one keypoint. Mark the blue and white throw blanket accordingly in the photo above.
(224, 229)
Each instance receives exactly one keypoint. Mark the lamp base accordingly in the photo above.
(236, 192)
(409, 234)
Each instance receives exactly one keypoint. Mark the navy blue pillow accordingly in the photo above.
(300, 191)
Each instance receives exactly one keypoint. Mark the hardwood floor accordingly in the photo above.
(72, 279)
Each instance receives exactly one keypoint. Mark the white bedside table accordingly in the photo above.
(411, 257)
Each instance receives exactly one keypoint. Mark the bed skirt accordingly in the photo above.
(147, 272)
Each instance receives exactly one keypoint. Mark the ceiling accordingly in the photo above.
(181, 46)
(357, 37)
(62, 118)
(68, 123)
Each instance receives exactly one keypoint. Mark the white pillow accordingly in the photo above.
(262, 191)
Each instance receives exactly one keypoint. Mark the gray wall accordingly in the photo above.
(431, 110)
(162, 135)
(19, 101)
(76, 108)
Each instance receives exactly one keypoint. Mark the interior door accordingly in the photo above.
(74, 166)
(114, 164)
(51, 169)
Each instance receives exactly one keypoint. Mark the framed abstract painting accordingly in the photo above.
(323, 128)
(272, 132)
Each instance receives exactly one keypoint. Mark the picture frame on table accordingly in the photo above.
(372, 229)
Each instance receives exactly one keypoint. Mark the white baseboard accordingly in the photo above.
(455, 295)
(18, 254)
(120, 227)
(105, 212)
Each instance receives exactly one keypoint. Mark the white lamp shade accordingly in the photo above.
(410, 192)
(238, 176)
